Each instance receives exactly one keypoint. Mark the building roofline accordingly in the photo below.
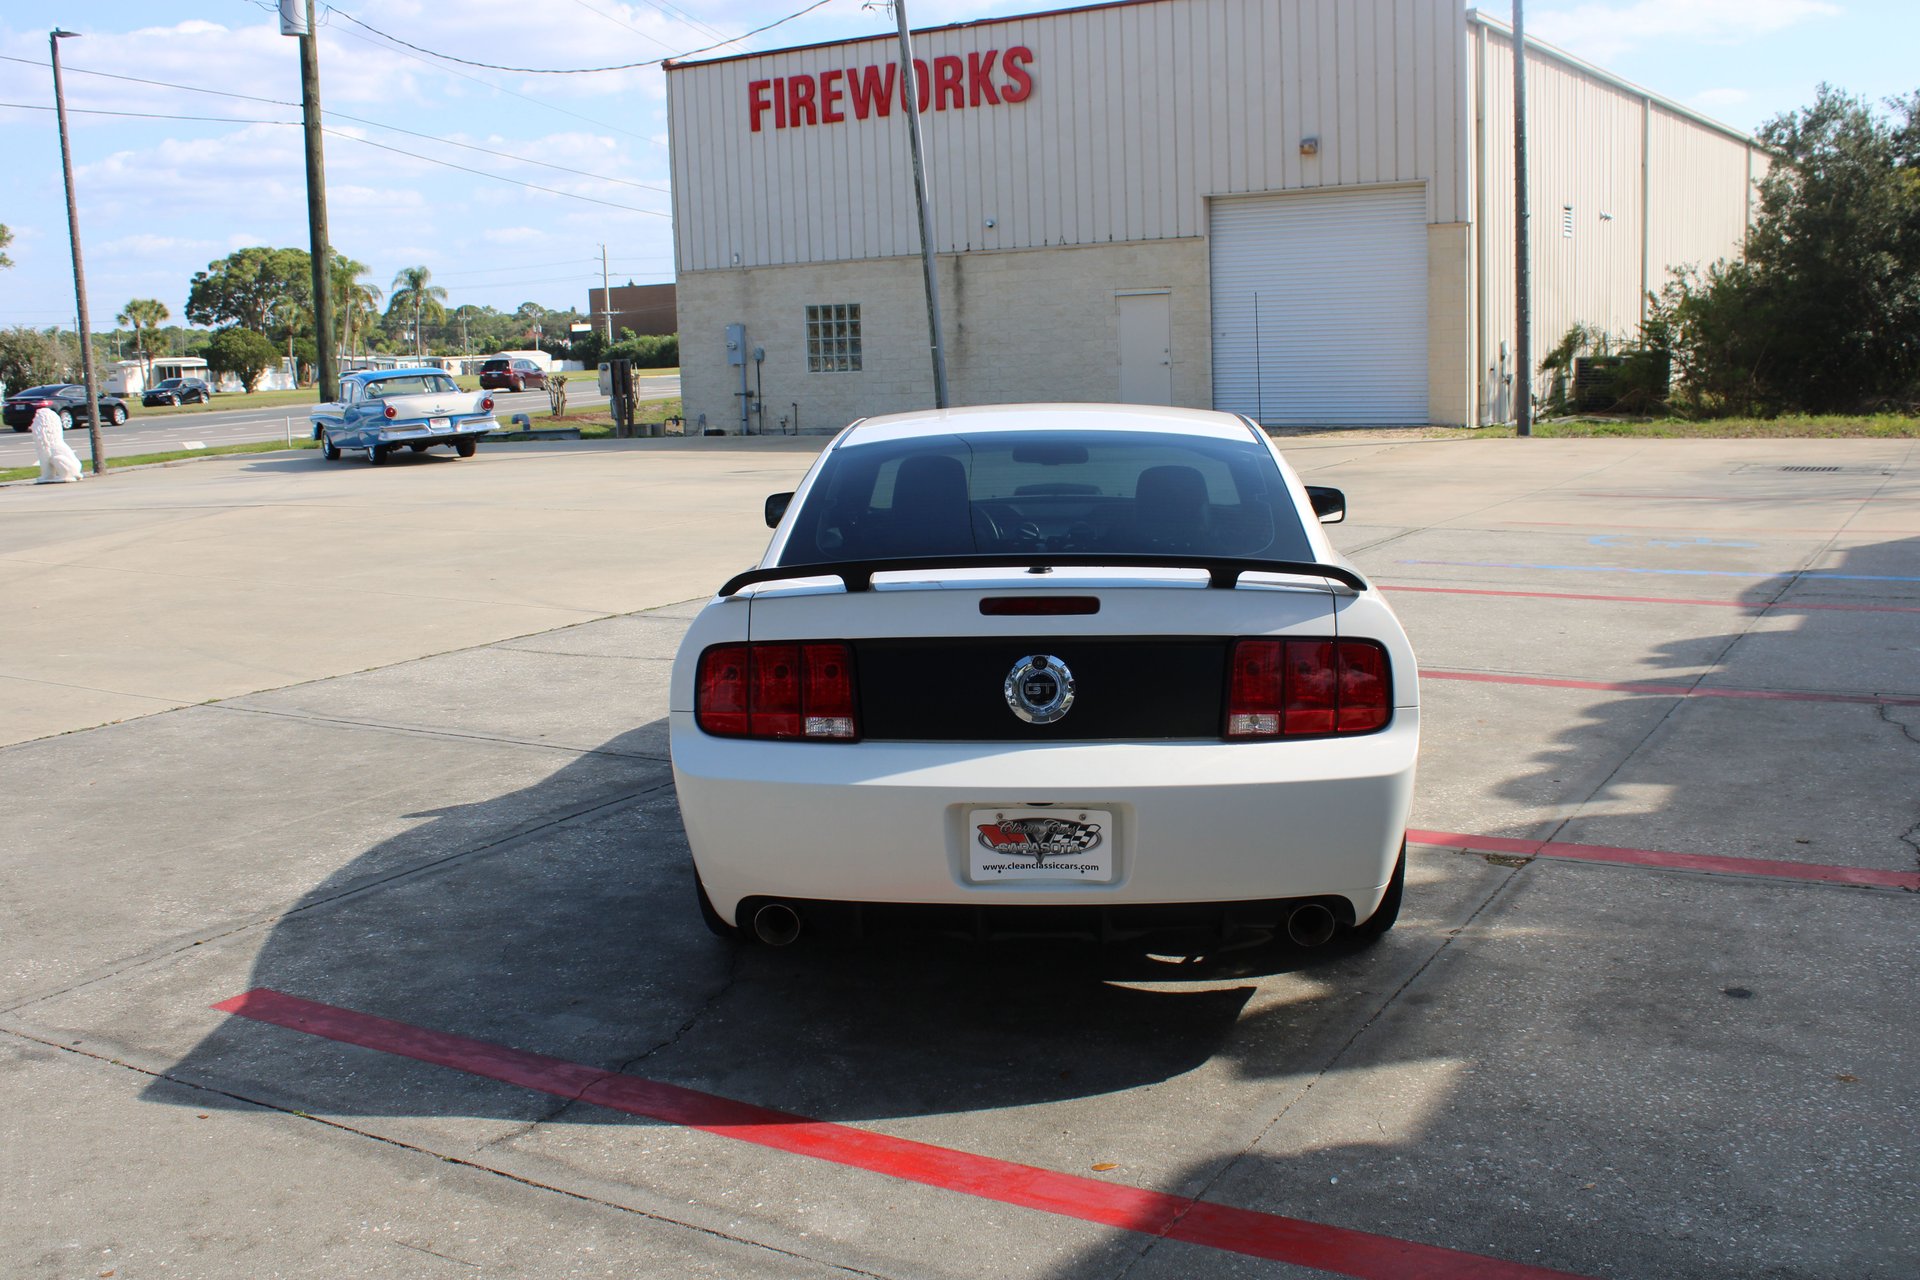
(676, 64)
(1602, 74)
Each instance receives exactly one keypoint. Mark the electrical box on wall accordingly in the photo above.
(736, 344)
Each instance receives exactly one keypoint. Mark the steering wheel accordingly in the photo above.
(1004, 525)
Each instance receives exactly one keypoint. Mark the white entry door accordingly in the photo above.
(1146, 348)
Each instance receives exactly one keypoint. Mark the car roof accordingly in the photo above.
(369, 375)
(982, 419)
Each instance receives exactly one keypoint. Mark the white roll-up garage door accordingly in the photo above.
(1320, 306)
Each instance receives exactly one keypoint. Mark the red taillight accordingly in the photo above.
(720, 691)
(1298, 688)
(1366, 695)
(486, 403)
(798, 690)
(392, 412)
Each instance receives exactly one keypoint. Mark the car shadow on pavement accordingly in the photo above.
(1816, 648)
(560, 919)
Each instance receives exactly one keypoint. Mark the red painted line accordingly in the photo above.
(1713, 497)
(1767, 868)
(1673, 690)
(1776, 606)
(1339, 1250)
(1709, 528)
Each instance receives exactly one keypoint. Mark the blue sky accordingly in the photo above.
(160, 198)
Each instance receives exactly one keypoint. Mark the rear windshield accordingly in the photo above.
(1123, 492)
(412, 385)
(493, 366)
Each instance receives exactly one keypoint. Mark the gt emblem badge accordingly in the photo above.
(1039, 689)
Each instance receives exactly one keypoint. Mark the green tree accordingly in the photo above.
(6, 238)
(242, 353)
(414, 294)
(356, 303)
(144, 316)
(265, 290)
(1822, 314)
(28, 357)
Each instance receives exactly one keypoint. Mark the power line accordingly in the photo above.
(341, 115)
(578, 71)
(618, 23)
(350, 137)
(498, 88)
(531, 186)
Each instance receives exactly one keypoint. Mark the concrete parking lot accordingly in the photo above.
(346, 925)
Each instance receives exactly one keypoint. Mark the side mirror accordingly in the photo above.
(1328, 503)
(776, 508)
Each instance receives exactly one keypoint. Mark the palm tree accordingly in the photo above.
(143, 316)
(353, 300)
(411, 291)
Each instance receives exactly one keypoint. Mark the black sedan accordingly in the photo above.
(178, 391)
(67, 399)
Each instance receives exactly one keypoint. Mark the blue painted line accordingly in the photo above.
(1682, 573)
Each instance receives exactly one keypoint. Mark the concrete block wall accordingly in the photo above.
(999, 310)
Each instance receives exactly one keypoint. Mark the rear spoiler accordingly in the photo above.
(1222, 574)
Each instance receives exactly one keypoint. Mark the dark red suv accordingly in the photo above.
(505, 374)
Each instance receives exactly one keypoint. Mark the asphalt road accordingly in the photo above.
(154, 433)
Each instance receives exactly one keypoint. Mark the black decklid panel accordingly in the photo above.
(952, 690)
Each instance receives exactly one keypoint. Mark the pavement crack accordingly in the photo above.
(350, 890)
(707, 1005)
(712, 1233)
(1332, 1062)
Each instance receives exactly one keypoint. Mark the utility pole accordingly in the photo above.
(321, 246)
(910, 89)
(79, 270)
(606, 295)
(1523, 274)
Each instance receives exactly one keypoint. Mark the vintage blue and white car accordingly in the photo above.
(381, 410)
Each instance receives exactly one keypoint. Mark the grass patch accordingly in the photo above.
(174, 455)
(1885, 426)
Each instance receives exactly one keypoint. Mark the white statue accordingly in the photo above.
(58, 463)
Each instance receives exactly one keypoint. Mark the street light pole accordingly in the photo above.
(910, 88)
(317, 236)
(1523, 273)
(79, 270)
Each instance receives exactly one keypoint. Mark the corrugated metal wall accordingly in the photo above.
(1139, 111)
(1623, 187)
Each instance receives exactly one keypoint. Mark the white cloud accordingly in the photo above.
(1600, 31)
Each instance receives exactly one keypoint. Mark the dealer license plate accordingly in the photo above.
(440, 424)
(1019, 845)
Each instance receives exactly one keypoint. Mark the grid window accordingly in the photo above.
(833, 338)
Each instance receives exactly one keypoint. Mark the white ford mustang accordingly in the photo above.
(1042, 669)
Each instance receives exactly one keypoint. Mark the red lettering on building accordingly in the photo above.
(950, 84)
(872, 89)
(947, 91)
(830, 95)
(924, 79)
(1019, 86)
(980, 78)
(800, 98)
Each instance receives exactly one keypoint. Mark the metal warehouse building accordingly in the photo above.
(1300, 210)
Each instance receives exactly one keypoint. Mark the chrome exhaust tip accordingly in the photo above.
(778, 924)
(1310, 925)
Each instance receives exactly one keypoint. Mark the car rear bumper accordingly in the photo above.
(1192, 822)
(405, 433)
